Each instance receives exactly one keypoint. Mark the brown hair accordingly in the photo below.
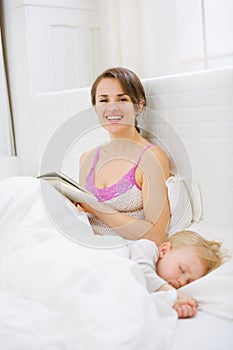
(209, 252)
(129, 81)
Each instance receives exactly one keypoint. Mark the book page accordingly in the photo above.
(68, 187)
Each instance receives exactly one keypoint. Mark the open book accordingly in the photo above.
(68, 187)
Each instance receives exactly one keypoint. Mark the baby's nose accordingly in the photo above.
(182, 282)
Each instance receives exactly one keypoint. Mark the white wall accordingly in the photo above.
(54, 47)
(50, 45)
(159, 46)
(9, 164)
(141, 35)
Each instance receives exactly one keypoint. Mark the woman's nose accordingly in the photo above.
(112, 106)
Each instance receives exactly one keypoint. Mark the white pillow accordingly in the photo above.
(196, 202)
(213, 292)
(180, 205)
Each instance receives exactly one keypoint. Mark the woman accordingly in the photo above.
(128, 175)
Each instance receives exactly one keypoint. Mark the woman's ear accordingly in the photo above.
(164, 248)
(140, 107)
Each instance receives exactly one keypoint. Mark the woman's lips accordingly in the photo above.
(114, 118)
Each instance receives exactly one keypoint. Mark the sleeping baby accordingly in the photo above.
(185, 257)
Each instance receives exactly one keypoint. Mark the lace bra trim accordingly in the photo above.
(121, 186)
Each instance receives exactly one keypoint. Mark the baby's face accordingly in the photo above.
(179, 266)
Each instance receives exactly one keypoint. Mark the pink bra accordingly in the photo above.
(121, 186)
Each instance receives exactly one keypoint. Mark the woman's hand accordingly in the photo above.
(79, 207)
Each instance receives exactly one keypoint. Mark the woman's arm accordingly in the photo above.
(152, 174)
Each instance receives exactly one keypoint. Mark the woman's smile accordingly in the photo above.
(113, 118)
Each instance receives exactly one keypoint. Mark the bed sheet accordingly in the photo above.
(203, 332)
(56, 293)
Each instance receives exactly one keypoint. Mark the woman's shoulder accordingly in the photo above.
(89, 154)
(159, 153)
(85, 163)
(157, 150)
(159, 156)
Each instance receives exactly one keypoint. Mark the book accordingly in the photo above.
(68, 187)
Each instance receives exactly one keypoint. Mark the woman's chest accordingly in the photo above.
(116, 171)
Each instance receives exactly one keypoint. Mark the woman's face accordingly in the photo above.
(114, 108)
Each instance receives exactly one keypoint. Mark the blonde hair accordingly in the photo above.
(210, 253)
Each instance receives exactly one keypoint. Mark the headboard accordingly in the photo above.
(194, 120)
(191, 116)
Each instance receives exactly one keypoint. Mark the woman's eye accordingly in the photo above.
(103, 100)
(124, 99)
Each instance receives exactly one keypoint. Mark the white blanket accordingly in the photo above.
(58, 294)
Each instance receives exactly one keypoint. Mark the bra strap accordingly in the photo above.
(95, 158)
(144, 150)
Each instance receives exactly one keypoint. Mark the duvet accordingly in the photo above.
(57, 293)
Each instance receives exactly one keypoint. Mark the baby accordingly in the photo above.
(183, 258)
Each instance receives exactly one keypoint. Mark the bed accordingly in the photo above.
(60, 288)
